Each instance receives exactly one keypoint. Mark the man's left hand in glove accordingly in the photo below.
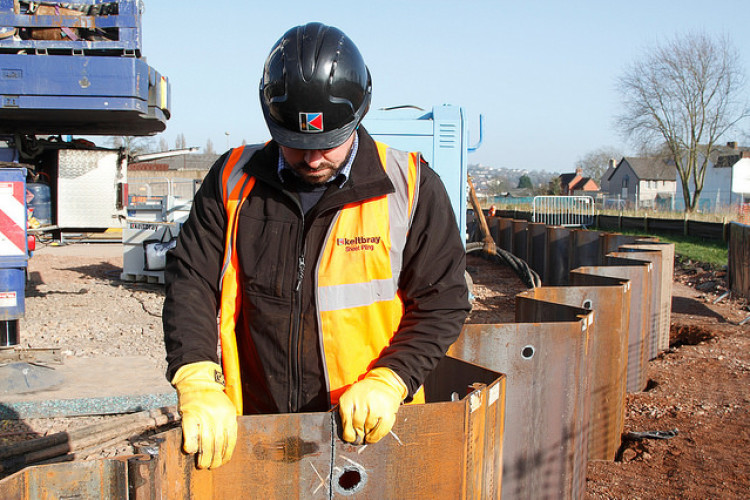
(368, 408)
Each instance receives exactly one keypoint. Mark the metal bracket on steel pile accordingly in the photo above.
(448, 448)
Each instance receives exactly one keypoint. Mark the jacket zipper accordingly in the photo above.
(295, 338)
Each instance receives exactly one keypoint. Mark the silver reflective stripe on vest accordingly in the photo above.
(235, 176)
(332, 298)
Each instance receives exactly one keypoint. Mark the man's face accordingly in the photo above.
(317, 166)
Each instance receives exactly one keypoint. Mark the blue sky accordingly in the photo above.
(542, 73)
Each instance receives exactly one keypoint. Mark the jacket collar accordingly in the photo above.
(367, 179)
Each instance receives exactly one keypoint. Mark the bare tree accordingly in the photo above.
(133, 145)
(209, 149)
(685, 94)
(180, 142)
(595, 163)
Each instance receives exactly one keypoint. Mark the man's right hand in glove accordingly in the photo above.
(209, 418)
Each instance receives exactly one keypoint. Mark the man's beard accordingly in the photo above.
(302, 171)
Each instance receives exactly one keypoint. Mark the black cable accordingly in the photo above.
(522, 269)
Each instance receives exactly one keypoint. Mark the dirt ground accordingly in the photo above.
(700, 387)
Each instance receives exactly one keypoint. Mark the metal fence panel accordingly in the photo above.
(568, 211)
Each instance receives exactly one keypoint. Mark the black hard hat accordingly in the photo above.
(315, 88)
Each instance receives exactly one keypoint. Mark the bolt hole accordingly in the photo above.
(587, 304)
(350, 479)
(527, 352)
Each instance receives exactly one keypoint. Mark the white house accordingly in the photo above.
(727, 180)
(642, 182)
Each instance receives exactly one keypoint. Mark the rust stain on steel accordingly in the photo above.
(637, 273)
(436, 450)
(664, 286)
(289, 449)
(609, 298)
(654, 299)
(544, 445)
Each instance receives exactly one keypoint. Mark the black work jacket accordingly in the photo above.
(282, 368)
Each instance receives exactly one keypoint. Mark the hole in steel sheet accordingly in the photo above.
(351, 480)
(527, 352)
(587, 304)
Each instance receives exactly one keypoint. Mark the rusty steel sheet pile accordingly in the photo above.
(546, 397)
(450, 447)
(662, 256)
(639, 273)
(607, 357)
(95, 479)
(609, 298)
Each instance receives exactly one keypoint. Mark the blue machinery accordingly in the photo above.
(78, 73)
(70, 69)
(440, 134)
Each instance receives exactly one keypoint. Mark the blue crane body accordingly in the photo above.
(67, 69)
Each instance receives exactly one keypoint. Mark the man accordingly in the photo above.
(333, 262)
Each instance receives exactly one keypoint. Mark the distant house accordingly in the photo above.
(574, 184)
(604, 181)
(647, 182)
(727, 180)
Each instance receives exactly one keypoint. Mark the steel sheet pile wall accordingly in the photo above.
(739, 259)
(448, 448)
(579, 344)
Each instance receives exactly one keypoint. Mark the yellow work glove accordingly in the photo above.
(368, 408)
(209, 418)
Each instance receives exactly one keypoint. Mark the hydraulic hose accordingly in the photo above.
(522, 269)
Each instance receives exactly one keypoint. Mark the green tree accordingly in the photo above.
(554, 188)
(685, 94)
(524, 182)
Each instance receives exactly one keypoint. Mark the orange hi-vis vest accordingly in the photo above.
(357, 274)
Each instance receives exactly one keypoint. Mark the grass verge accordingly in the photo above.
(694, 249)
